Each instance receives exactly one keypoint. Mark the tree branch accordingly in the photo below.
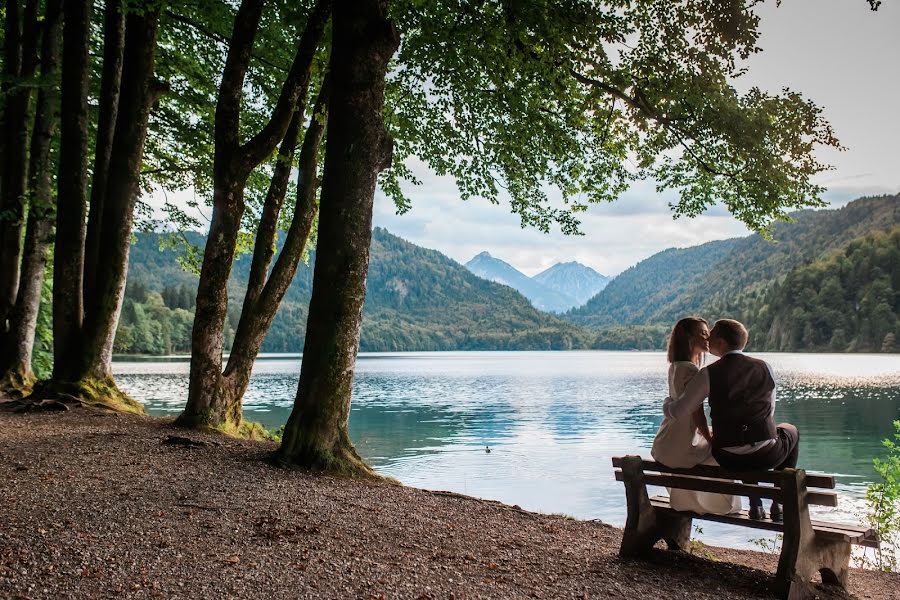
(261, 145)
(214, 35)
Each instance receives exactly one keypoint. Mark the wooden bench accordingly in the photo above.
(808, 546)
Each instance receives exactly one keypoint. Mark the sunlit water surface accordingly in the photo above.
(553, 420)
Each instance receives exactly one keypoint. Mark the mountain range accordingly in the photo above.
(744, 278)
(829, 280)
(561, 287)
(416, 299)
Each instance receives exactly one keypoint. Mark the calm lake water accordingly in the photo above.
(554, 419)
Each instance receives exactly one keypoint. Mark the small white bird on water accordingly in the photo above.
(487, 449)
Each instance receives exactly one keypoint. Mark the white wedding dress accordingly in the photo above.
(679, 444)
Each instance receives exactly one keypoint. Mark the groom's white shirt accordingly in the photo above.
(696, 391)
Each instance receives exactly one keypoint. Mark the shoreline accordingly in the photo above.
(97, 505)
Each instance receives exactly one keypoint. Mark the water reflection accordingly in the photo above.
(554, 419)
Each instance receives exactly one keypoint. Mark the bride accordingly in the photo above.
(685, 442)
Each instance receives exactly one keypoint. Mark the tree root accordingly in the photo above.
(342, 461)
(16, 384)
(86, 393)
(240, 428)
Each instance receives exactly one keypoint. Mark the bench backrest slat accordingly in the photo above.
(720, 486)
(773, 477)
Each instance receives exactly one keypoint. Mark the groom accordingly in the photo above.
(741, 392)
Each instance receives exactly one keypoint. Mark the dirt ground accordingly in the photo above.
(99, 505)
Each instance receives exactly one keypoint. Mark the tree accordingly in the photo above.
(17, 343)
(211, 400)
(358, 148)
(84, 332)
(19, 64)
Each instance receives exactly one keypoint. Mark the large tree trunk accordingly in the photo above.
(83, 346)
(139, 92)
(263, 295)
(358, 148)
(17, 373)
(110, 82)
(19, 64)
(232, 165)
(68, 253)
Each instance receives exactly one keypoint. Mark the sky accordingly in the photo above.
(836, 52)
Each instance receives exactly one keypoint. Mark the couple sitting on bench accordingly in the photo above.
(741, 392)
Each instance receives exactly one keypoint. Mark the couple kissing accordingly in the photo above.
(741, 393)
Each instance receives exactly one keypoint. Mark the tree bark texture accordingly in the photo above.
(357, 149)
(232, 165)
(262, 303)
(19, 63)
(68, 254)
(139, 91)
(110, 82)
(39, 229)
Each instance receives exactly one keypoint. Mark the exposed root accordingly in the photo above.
(230, 426)
(342, 461)
(86, 393)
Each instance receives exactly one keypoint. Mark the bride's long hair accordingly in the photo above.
(680, 340)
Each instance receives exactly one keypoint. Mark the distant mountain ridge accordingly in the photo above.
(541, 296)
(573, 279)
(416, 299)
(731, 277)
(830, 282)
(557, 289)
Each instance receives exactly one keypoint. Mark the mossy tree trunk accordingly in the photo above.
(71, 202)
(84, 333)
(15, 371)
(213, 396)
(357, 149)
(107, 111)
(139, 92)
(264, 294)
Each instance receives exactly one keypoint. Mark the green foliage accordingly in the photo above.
(632, 337)
(585, 97)
(883, 500)
(767, 545)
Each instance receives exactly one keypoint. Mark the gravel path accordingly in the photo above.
(96, 505)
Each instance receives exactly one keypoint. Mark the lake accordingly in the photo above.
(552, 420)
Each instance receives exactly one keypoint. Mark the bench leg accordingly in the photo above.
(830, 558)
(645, 525)
(802, 552)
(675, 530)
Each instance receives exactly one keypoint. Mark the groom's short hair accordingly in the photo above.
(732, 332)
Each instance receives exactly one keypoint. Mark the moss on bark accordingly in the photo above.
(88, 392)
(16, 383)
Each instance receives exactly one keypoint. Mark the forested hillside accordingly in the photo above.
(738, 277)
(847, 301)
(636, 295)
(417, 299)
